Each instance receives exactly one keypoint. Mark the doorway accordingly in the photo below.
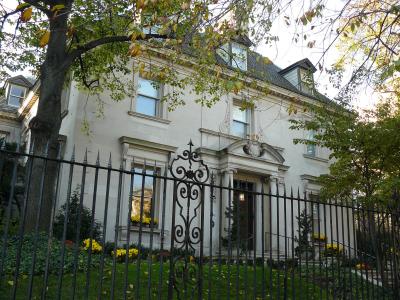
(243, 214)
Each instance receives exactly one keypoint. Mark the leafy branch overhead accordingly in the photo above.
(104, 40)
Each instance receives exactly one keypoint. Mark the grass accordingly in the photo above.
(219, 282)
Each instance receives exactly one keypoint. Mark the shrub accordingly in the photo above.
(54, 255)
(305, 228)
(73, 213)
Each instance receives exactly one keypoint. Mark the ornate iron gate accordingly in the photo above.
(187, 221)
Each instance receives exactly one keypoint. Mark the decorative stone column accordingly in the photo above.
(226, 194)
(275, 216)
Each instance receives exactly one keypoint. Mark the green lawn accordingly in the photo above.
(221, 282)
(235, 281)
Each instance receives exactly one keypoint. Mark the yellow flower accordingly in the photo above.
(361, 266)
(121, 253)
(135, 219)
(96, 247)
(334, 247)
(319, 237)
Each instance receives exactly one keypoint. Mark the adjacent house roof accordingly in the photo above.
(21, 80)
(18, 80)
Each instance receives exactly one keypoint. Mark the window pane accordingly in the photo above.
(223, 51)
(13, 101)
(239, 114)
(145, 105)
(147, 194)
(239, 56)
(17, 91)
(148, 88)
(311, 150)
(239, 129)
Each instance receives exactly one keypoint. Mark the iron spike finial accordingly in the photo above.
(73, 154)
(32, 146)
(46, 149)
(85, 157)
(98, 158)
(109, 161)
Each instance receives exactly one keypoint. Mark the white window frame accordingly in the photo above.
(158, 108)
(247, 123)
(21, 99)
(3, 137)
(236, 60)
(311, 150)
(227, 54)
(306, 81)
(155, 201)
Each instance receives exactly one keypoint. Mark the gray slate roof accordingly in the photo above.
(268, 71)
(4, 107)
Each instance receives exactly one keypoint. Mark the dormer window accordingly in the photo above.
(16, 95)
(300, 75)
(234, 54)
(306, 82)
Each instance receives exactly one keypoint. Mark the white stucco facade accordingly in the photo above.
(266, 157)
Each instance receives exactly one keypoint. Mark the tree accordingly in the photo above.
(365, 173)
(93, 43)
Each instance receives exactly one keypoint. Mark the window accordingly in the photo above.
(306, 81)
(3, 138)
(148, 194)
(240, 121)
(148, 26)
(148, 97)
(239, 57)
(16, 95)
(311, 148)
(234, 55)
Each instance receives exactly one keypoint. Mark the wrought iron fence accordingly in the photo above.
(148, 230)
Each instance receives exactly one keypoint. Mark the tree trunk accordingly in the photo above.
(45, 128)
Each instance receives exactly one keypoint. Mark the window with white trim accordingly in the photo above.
(144, 196)
(306, 81)
(148, 97)
(234, 54)
(311, 149)
(16, 95)
(240, 121)
(3, 137)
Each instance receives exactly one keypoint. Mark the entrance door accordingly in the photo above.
(243, 214)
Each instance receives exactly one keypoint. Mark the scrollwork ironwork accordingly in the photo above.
(191, 173)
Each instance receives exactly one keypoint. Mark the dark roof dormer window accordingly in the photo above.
(16, 89)
(234, 54)
(16, 95)
(300, 74)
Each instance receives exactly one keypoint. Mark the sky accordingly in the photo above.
(285, 52)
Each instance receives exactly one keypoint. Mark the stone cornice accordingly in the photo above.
(8, 116)
(146, 145)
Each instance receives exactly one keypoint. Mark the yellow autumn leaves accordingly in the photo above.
(26, 15)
